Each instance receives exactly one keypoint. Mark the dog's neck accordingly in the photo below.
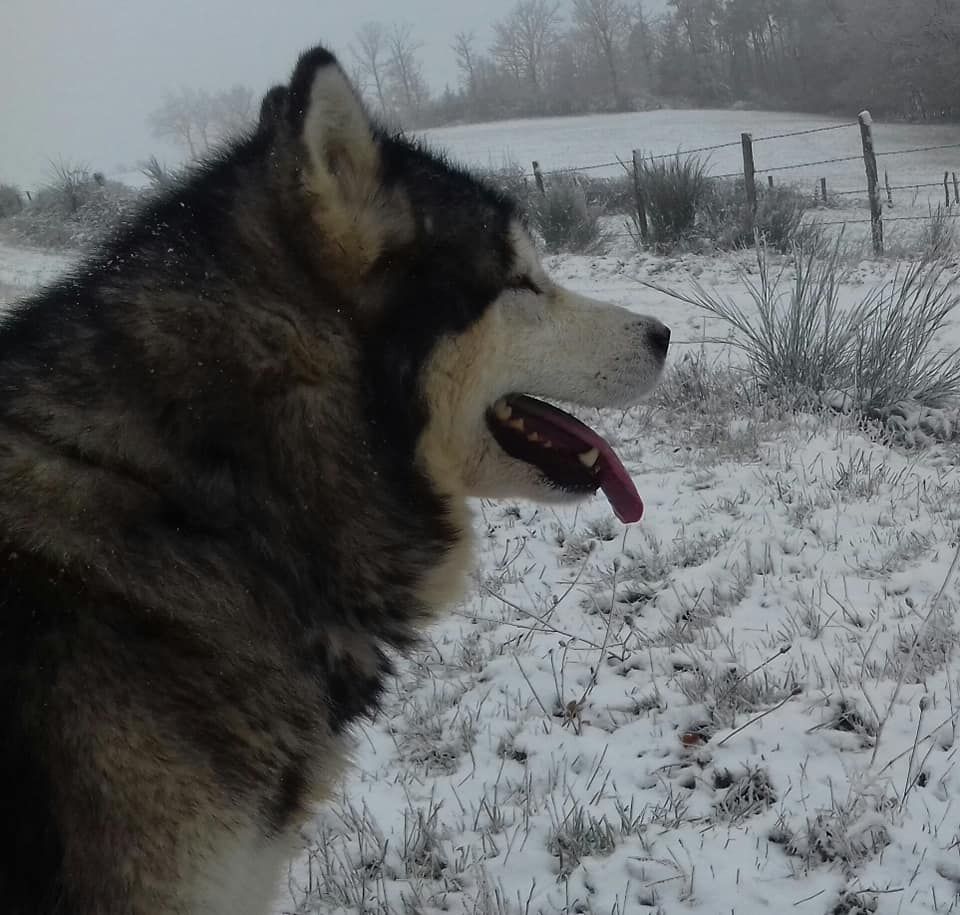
(110, 454)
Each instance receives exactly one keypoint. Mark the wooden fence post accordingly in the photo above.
(770, 181)
(538, 176)
(638, 198)
(886, 181)
(956, 188)
(946, 187)
(873, 182)
(749, 178)
(823, 190)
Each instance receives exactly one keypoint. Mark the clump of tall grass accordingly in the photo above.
(797, 338)
(778, 220)
(608, 195)
(938, 235)
(673, 191)
(612, 196)
(806, 349)
(157, 173)
(896, 358)
(563, 218)
(684, 204)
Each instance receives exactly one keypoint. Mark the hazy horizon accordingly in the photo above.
(79, 81)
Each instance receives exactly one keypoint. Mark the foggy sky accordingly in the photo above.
(79, 77)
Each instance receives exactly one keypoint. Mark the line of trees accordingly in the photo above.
(899, 57)
(556, 57)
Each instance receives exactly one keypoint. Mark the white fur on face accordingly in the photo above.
(555, 345)
(565, 346)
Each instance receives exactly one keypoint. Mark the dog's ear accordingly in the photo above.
(342, 167)
(333, 126)
(272, 107)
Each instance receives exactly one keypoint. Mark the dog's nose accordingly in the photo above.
(658, 336)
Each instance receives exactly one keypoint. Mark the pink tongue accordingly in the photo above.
(618, 488)
(578, 437)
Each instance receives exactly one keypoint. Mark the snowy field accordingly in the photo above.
(749, 699)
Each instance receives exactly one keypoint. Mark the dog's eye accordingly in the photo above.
(524, 284)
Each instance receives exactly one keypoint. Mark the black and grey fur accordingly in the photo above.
(235, 452)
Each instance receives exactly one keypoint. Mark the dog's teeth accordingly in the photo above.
(502, 410)
(534, 437)
(589, 458)
(516, 424)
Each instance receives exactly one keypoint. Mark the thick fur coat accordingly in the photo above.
(236, 448)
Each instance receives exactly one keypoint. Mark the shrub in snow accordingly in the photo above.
(76, 210)
(564, 219)
(610, 195)
(878, 357)
(674, 191)
(938, 235)
(778, 222)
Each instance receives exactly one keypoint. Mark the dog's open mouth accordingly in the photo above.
(569, 453)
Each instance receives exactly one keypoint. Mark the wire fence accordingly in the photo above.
(821, 193)
(694, 151)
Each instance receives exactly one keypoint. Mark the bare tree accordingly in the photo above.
(181, 119)
(606, 23)
(641, 48)
(465, 52)
(372, 62)
(406, 72)
(523, 41)
(232, 111)
(198, 120)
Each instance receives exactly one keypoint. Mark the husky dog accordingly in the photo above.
(236, 449)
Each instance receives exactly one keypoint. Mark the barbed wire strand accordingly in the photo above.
(893, 187)
(727, 175)
(786, 168)
(623, 162)
(774, 136)
(575, 168)
(800, 133)
(690, 152)
(901, 152)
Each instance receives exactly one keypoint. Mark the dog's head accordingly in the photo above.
(461, 330)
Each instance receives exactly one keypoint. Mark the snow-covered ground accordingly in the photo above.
(749, 699)
(23, 269)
